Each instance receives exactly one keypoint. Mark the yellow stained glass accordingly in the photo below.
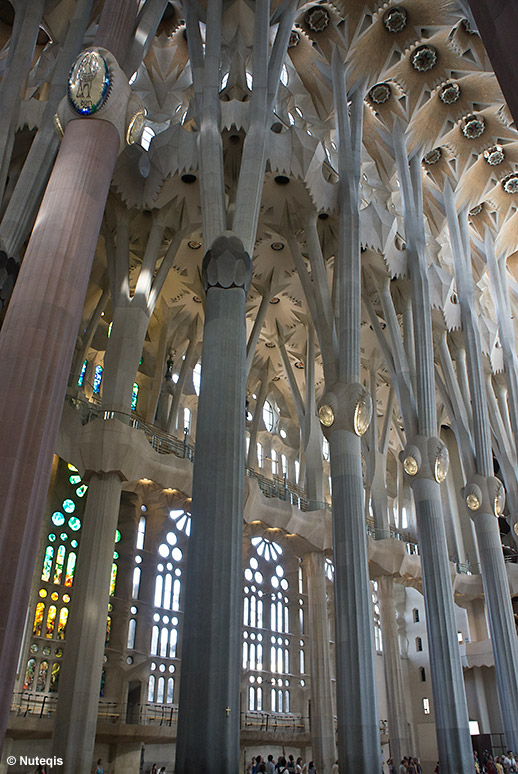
(71, 565)
(47, 563)
(62, 623)
(113, 579)
(51, 620)
(38, 619)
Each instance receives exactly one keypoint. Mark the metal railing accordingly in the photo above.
(278, 488)
(38, 705)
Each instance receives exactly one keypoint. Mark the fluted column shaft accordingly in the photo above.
(501, 622)
(399, 732)
(357, 710)
(451, 715)
(208, 722)
(46, 305)
(76, 712)
(322, 720)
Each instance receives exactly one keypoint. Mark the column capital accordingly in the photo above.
(483, 495)
(425, 457)
(98, 88)
(227, 264)
(345, 407)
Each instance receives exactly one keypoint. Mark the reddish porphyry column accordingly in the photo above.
(37, 341)
(36, 345)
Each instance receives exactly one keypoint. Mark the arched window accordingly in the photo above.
(260, 455)
(187, 419)
(141, 534)
(132, 630)
(275, 462)
(196, 378)
(268, 416)
(418, 644)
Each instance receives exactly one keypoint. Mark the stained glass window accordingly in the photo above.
(51, 619)
(38, 619)
(134, 396)
(81, 490)
(58, 519)
(108, 629)
(62, 623)
(69, 506)
(42, 676)
(82, 374)
(29, 674)
(74, 479)
(74, 523)
(60, 560)
(113, 579)
(54, 678)
(71, 565)
(98, 375)
(47, 563)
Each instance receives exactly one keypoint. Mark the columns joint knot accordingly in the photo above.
(483, 495)
(425, 457)
(227, 264)
(345, 407)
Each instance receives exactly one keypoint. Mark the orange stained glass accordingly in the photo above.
(108, 629)
(60, 560)
(62, 623)
(71, 566)
(51, 620)
(38, 619)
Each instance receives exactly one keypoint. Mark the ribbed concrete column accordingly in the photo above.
(78, 699)
(451, 716)
(322, 721)
(208, 722)
(357, 709)
(399, 731)
(501, 622)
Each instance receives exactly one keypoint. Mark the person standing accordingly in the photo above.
(99, 769)
(270, 765)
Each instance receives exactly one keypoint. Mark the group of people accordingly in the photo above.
(154, 770)
(501, 764)
(408, 765)
(259, 765)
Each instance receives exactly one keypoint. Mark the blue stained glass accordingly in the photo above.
(52, 537)
(63, 536)
(134, 396)
(74, 543)
(82, 374)
(98, 375)
(69, 506)
(74, 479)
(74, 523)
(58, 519)
(81, 490)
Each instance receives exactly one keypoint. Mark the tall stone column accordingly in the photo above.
(344, 413)
(484, 499)
(322, 721)
(399, 731)
(46, 305)
(424, 461)
(78, 700)
(208, 722)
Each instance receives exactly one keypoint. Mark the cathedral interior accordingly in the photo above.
(259, 383)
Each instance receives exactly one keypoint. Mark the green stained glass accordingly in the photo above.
(71, 565)
(117, 535)
(81, 490)
(74, 479)
(58, 569)
(108, 629)
(74, 523)
(113, 579)
(52, 537)
(115, 554)
(29, 674)
(47, 563)
(63, 536)
(58, 519)
(134, 396)
(69, 506)
(74, 543)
